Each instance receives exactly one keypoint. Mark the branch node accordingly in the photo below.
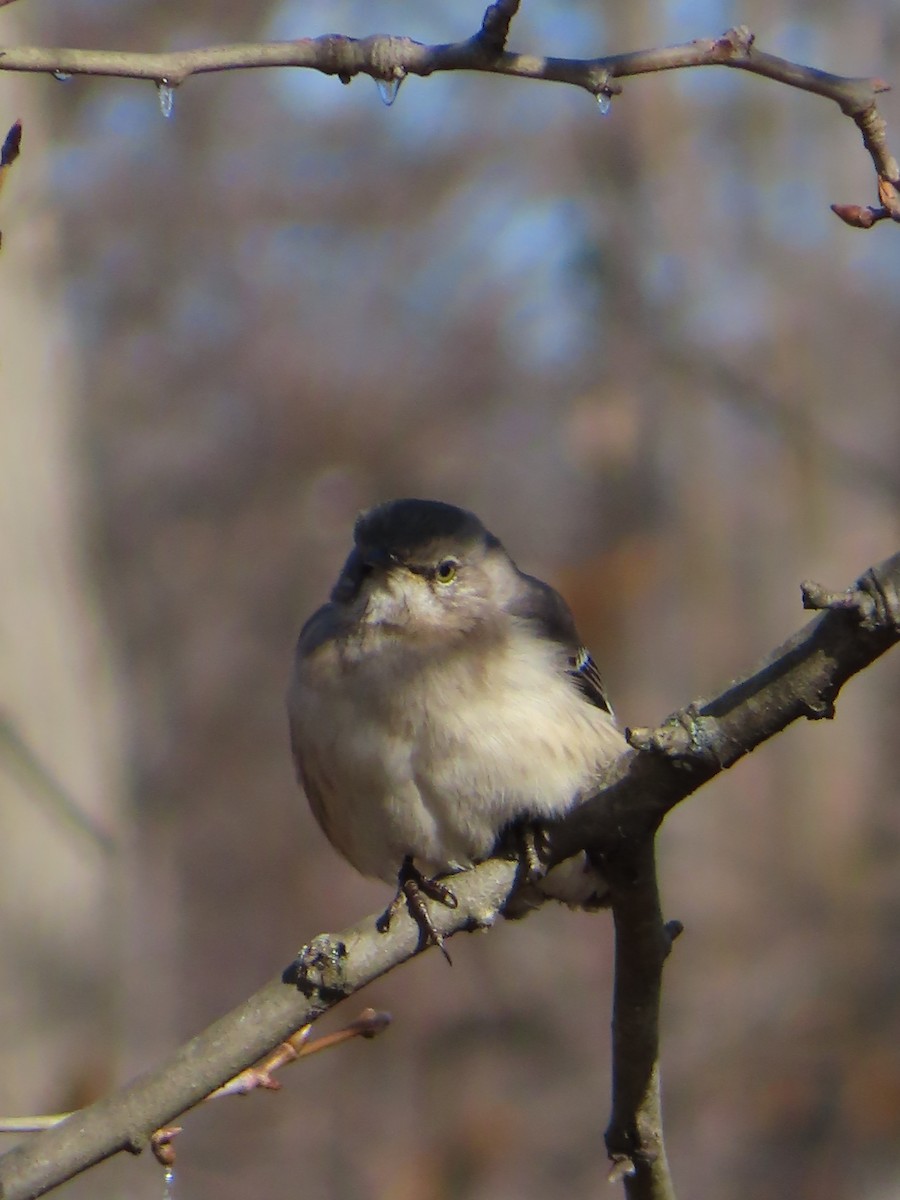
(495, 26)
(889, 195)
(688, 738)
(371, 1022)
(674, 929)
(865, 602)
(859, 216)
(338, 55)
(735, 45)
(318, 969)
(884, 597)
(820, 709)
(136, 1142)
(622, 1168)
(161, 1144)
(385, 55)
(671, 739)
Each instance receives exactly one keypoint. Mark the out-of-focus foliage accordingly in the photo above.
(643, 350)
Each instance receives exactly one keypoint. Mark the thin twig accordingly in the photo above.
(368, 1024)
(389, 58)
(17, 756)
(261, 1075)
(495, 26)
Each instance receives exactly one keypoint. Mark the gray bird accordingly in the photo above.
(440, 698)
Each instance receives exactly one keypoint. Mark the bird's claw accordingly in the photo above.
(526, 842)
(412, 888)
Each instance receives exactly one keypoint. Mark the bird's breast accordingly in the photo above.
(433, 752)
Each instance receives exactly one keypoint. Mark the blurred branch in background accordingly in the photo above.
(765, 405)
(9, 152)
(800, 679)
(390, 59)
(16, 756)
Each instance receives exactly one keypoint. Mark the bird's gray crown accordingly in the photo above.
(405, 528)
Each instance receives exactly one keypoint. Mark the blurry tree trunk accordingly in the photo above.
(61, 778)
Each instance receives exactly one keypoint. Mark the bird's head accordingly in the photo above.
(422, 565)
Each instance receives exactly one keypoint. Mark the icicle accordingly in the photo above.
(169, 1183)
(388, 88)
(166, 94)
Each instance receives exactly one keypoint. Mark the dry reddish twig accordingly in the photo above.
(161, 1143)
(368, 1024)
(261, 1074)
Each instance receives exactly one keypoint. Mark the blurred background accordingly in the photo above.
(643, 350)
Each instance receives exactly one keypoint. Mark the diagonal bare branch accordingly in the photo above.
(799, 679)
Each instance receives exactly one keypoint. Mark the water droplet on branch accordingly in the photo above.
(62, 76)
(166, 94)
(169, 1183)
(388, 88)
(604, 99)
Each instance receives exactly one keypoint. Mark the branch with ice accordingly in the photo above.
(389, 60)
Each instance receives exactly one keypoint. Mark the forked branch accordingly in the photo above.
(800, 679)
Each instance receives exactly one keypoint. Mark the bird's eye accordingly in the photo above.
(445, 571)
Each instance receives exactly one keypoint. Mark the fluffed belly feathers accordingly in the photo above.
(440, 773)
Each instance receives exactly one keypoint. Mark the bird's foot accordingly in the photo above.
(526, 842)
(412, 888)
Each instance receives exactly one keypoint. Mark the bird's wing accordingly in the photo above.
(325, 625)
(541, 605)
(587, 677)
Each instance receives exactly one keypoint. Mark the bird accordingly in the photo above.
(440, 699)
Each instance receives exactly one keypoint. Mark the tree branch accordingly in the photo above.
(634, 1136)
(496, 23)
(800, 679)
(391, 59)
(9, 152)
